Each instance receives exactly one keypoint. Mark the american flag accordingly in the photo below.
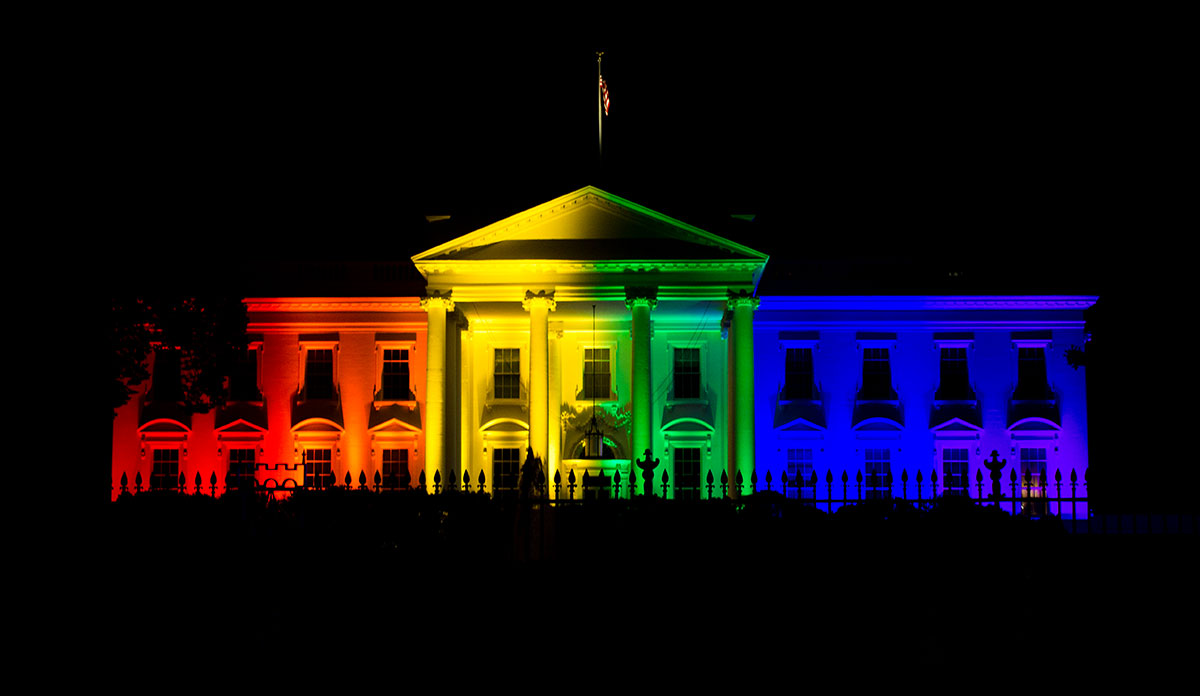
(604, 93)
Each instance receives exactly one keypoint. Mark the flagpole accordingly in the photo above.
(599, 105)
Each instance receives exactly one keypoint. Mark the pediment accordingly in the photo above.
(589, 225)
(956, 425)
(395, 418)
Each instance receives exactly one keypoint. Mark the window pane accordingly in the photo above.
(395, 374)
(508, 373)
(799, 374)
(318, 374)
(687, 473)
(687, 373)
(597, 377)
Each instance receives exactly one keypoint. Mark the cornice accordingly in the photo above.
(472, 266)
(332, 304)
(926, 302)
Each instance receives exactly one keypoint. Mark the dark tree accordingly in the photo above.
(207, 333)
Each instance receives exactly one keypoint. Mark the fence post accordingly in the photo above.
(709, 480)
(828, 490)
(1012, 482)
(768, 478)
(571, 485)
(845, 484)
(665, 479)
(858, 480)
(724, 485)
(617, 484)
(1074, 479)
(482, 481)
(783, 482)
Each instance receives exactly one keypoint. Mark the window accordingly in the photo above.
(506, 470)
(597, 373)
(954, 471)
(318, 468)
(687, 473)
(508, 373)
(243, 378)
(800, 472)
(1033, 469)
(241, 468)
(954, 382)
(878, 465)
(165, 475)
(877, 374)
(687, 373)
(395, 469)
(1031, 373)
(395, 374)
(798, 374)
(318, 374)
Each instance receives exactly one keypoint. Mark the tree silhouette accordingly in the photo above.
(205, 331)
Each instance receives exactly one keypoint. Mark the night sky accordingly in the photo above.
(1001, 146)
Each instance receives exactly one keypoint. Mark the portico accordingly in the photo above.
(589, 311)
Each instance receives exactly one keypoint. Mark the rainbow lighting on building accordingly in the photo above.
(591, 330)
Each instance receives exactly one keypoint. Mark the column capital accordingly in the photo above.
(539, 299)
(641, 297)
(741, 298)
(436, 299)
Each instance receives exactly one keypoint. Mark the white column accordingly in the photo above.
(640, 302)
(435, 386)
(539, 307)
(467, 418)
(741, 391)
(554, 415)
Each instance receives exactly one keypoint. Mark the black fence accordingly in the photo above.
(1030, 496)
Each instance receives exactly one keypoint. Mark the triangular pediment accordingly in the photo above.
(589, 225)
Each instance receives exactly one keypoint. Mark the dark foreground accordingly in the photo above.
(767, 585)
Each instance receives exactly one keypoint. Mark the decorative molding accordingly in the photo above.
(330, 304)
(919, 302)
(541, 299)
(438, 299)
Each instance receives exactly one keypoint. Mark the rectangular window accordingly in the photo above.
(878, 465)
(597, 375)
(395, 469)
(687, 473)
(508, 373)
(165, 475)
(800, 473)
(318, 468)
(395, 374)
(318, 374)
(241, 468)
(954, 383)
(877, 374)
(799, 374)
(954, 471)
(1031, 374)
(687, 373)
(506, 470)
(1033, 474)
(243, 378)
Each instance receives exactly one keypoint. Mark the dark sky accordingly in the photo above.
(1032, 146)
